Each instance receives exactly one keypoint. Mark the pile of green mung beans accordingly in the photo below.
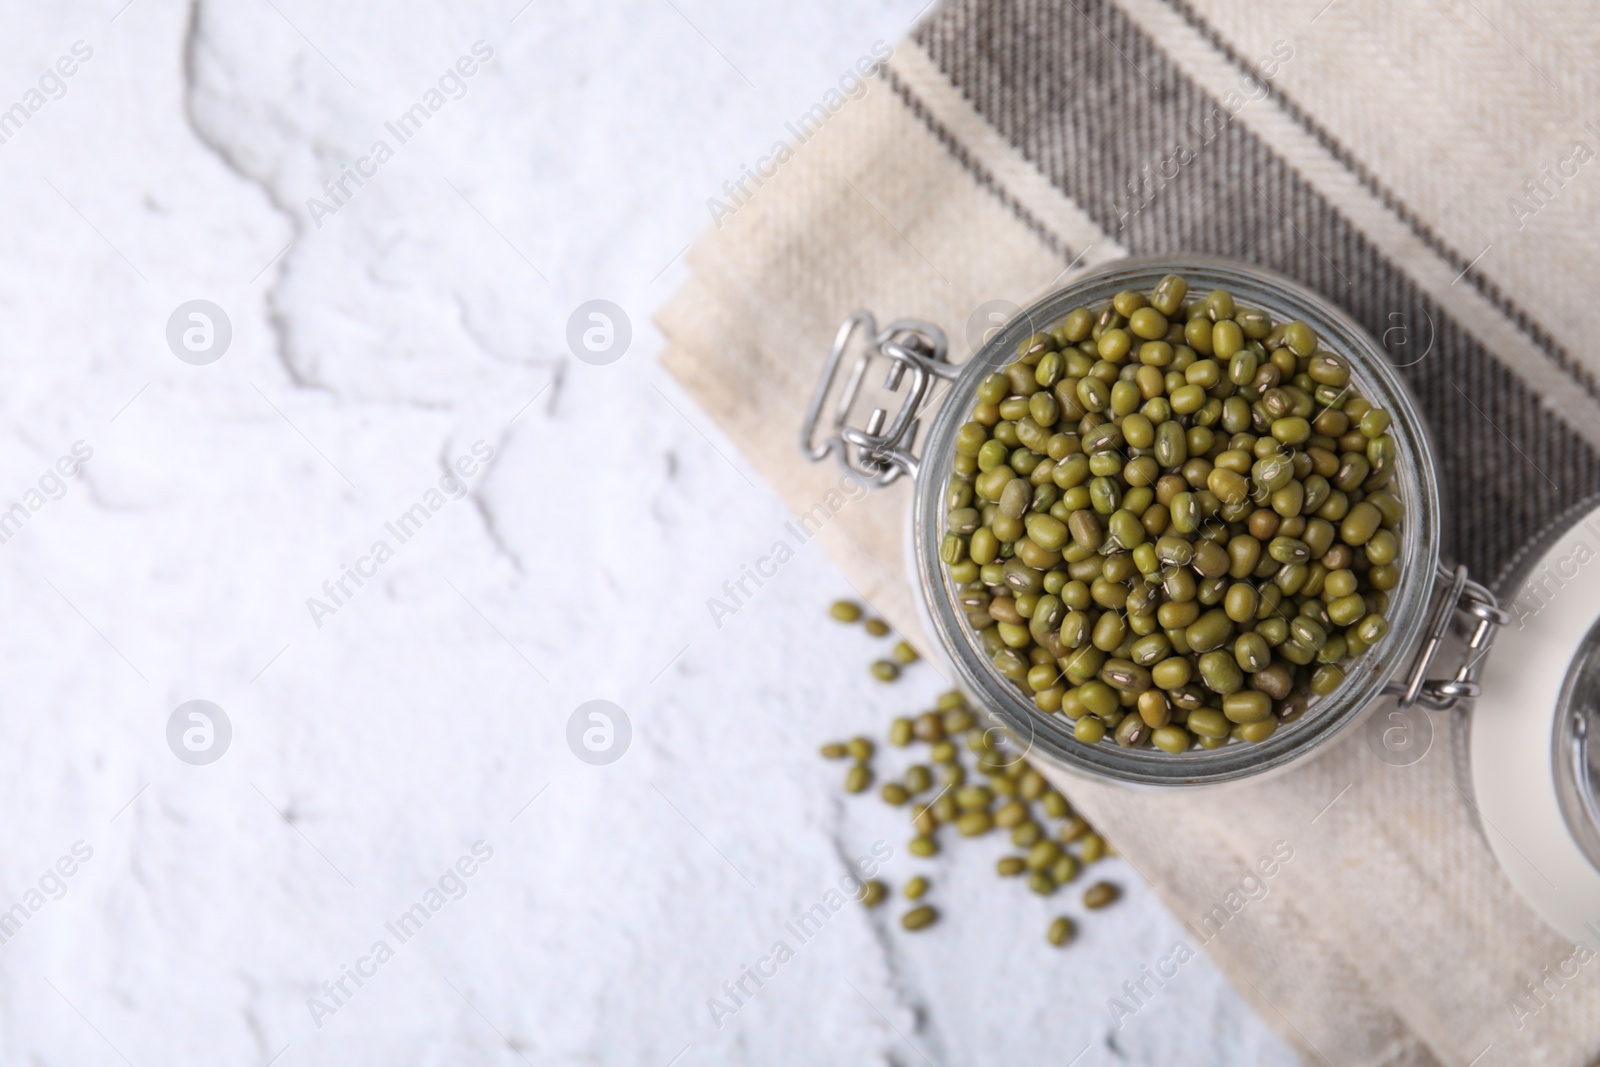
(1053, 842)
(1170, 521)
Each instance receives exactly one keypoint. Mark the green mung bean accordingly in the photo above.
(1043, 854)
(1010, 815)
(974, 823)
(1061, 930)
(900, 732)
(1100, 894)
(1073, 828)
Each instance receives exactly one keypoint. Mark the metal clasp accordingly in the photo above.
(1474, 601)
(881, 450)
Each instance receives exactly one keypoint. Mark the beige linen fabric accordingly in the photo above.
(1389, 936)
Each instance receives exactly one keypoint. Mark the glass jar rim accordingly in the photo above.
(1048, 733)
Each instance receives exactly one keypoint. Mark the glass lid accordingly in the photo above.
(1577, 746)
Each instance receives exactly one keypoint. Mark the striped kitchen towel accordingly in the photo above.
(1428, 167)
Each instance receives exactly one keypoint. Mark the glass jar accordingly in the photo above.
(1421, 608)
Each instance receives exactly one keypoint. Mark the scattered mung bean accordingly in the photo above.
(845, 611)
(974, 823)
(1091, 846)
(1100, 894)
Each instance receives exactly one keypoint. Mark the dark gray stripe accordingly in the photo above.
(1089, 98)
(1458, 262)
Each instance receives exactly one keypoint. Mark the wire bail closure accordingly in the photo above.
(880, 451)
(1474, 601)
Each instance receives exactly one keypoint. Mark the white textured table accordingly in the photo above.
(381, 728)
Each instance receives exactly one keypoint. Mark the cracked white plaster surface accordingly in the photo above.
(370, 752)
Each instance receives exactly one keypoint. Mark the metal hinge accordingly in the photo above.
(1467, 598)
(881, 450)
